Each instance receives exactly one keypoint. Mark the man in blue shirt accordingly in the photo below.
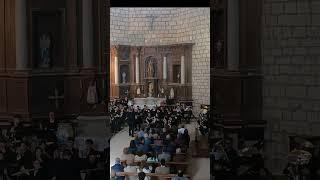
(117, 167)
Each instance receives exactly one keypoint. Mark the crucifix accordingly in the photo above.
(56, 97)
(151, 22)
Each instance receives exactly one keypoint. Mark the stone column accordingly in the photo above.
(233, 34)
(182, 70)
(87, 33)
(164, 69)
(21, 34)
(116, 70)
(137, 70)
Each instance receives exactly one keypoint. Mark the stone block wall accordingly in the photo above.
(291, 68)
(134, 26)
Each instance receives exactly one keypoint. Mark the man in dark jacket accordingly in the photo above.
(131, 121)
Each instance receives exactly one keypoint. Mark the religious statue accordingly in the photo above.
(92, 95)
(162, 90)
(124, 75)
(178, 77)
(150, 70)
(150, 89)
(171, 93)
(138, 91)
(45, 45)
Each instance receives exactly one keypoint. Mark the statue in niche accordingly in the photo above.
(171, 93)
(138, 91)
(150, 70)
(150, 89)
(124, 75)
(178, 77)
(45, 50)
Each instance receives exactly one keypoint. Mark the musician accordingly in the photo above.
(138, 118)
(16, 128)
(51, 127)
(149, 119)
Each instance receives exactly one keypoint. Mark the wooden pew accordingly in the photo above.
(152, 162)
(152, 175)
(177, 165)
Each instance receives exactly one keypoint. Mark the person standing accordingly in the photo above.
(131, 121)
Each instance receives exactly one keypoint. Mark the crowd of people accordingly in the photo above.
(161, 116)
(158, 137)
(37, 154)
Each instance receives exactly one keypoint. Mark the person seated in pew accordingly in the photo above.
(142, 176)
(145, 169)
(180, 176)
(165, 155)
(140, 144)
(147, 139)
(145, 146)
(132, 148)
(117, 167)
(152, 157)
(178, 157)
(171, 148)
(126, 156)
(162, 169)
(131, 168)
(167, 140)
(179, 140)
(140, 156)
(163, 133)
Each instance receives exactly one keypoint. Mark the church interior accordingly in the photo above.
(159, 57)
(90, 92)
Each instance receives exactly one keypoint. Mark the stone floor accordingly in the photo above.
(199, 168)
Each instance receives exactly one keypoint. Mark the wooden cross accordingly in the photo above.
(152, 20)
(56, 97)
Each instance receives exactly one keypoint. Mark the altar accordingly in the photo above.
(150, 102)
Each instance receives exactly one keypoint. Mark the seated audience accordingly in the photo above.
(165, 155)
(162, 169)
(131, 168)
(126, 156)
(140, 156)
(180, 176)
(142, 176)
(132, 148)
(117, 167)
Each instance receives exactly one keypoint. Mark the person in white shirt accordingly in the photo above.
(140, 157)
(131, 168)
(145, 169)
(181, 129)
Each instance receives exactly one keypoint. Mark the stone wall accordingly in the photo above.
(134, 26)
(291, 67)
